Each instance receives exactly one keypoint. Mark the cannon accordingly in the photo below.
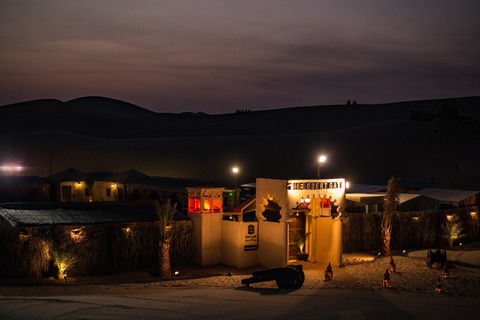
(289, 277)
(436, 255)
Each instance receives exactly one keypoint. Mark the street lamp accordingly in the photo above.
(51, 155)
(321, 161)
(235, 171)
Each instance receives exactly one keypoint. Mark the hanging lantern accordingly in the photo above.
(392, 267)
(445, 274)
(328, 273)
(386, 279)
(439, 289)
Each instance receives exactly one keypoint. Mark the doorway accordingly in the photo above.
(66, 194)
(296, 229)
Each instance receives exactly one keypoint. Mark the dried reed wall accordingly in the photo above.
(99, 249)
(410, 230)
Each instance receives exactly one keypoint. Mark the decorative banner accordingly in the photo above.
(251, 238)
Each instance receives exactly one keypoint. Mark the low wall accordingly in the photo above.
(273, 244)
(234, 242)
(410, 230)
(99, 249)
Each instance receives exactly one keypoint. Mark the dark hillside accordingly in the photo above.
(362, 142)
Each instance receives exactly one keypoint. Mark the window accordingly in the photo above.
(109, 192)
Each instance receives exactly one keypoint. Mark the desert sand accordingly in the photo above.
(362, 271)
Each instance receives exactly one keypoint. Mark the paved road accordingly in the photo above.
(242, 303)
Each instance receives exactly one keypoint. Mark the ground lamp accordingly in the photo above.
(386, 279)
(439, 288)
(321, 161)
(392, 267)
(328, 273)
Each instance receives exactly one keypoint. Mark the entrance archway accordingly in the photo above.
(296, 235)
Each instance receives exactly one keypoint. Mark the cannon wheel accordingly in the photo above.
(429, 258)
(444, 258)
(290, 278)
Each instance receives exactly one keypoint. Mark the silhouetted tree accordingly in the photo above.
(392, 199)
(165, 212)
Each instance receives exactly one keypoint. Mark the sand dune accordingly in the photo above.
(362, 142)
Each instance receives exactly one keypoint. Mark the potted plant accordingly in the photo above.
(299, 240)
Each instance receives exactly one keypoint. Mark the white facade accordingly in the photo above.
(267, 241)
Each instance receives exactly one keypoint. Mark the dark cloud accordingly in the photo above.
(217, 56)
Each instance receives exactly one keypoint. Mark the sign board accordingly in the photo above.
(315, 185)
(251, 237)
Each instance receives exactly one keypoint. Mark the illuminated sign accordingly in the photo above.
(315, 185)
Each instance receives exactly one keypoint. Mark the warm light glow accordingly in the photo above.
(322, 159)
(347, 184)
(24, 235)
(11, 168)
(77, 234)
(235, 170)
(79, 184)
(450, 217)
(112, 185)
(473, 214)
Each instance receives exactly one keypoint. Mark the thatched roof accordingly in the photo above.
(447, 195)
(38, 214)
(131, 177)
(68, 175)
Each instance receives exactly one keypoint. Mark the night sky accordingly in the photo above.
(219, 56)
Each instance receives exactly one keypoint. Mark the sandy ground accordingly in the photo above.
(362, 271)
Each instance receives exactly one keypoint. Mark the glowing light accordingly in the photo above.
(450, 217)
(235, 170)
(11, 168)
(322, 159)
(347, 184)
(79, 184)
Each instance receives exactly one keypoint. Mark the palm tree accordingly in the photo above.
(64, 260)
(392, 199)
(452, 231)
(165, 212)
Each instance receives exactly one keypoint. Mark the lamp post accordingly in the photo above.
(321, 161)
(235, 171)
(50, 155)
